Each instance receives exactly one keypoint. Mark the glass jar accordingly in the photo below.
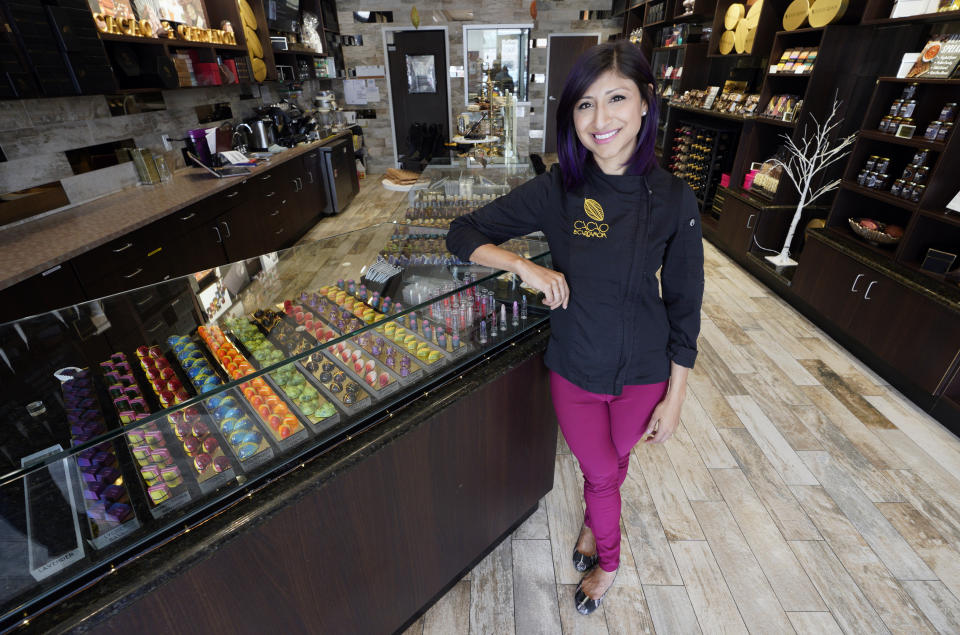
(949, 111)
(909, 91)
(920, 158)
(908, 173)
(907, 190)
(917, 193)
(872, 179)
(932, 130)
(885, 123)
(897, 187)
(945, 129)
(895, 108)
(908, 107)
(862, 177)
(882, 164)
(882, 181)
(920, 174)
(871, 163)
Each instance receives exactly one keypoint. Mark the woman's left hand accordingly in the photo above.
(664, 420)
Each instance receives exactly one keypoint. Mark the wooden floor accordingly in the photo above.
(800, 494)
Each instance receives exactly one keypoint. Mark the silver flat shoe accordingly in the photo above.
(587, 605)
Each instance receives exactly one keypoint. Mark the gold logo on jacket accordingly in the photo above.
(594, 228)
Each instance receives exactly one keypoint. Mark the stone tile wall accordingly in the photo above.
(552, 17)
(35, 132)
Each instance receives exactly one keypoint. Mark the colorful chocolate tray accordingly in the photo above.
(324, 372)
(302, 396)
(390, 355)
(377, 378)
(259, 392)
(107, 506)
(242, 431)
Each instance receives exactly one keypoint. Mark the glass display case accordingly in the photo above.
(132, 415)
(453, 186)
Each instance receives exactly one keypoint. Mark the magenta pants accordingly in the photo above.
(601, 430)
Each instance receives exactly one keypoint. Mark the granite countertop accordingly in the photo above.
(945, 294)
(35, 246)
(116, 591)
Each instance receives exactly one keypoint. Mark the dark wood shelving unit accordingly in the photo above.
(881, 196)
(914, 142)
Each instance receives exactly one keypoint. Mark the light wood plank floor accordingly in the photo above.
(801, 494)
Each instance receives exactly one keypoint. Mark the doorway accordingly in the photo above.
(418, 85)
(562, 52)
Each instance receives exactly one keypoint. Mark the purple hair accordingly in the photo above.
(626, 59)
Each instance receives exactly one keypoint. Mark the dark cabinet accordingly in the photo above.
(906, 330)
(54, 288)
(137, 259)
(737, 224)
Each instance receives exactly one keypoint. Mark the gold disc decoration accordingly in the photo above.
(726, 42)
(735, 13)
(740, 37)
(259, 69)
(751, 36)
(795, 15)
(253, 42)
(753, 15)
(824, 12)
(246, 14)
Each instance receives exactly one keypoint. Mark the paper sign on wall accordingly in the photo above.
(355, 91)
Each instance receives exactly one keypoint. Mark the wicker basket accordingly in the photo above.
(872, 236)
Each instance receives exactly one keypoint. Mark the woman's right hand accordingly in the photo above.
(552, 283)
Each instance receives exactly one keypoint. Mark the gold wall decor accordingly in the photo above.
(824, 12)
(796, 15)
(143, 28)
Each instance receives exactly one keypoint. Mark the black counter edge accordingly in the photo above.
(116, 590)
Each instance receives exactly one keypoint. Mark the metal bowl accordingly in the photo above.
(872, 236)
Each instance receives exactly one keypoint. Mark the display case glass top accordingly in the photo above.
(137, 413)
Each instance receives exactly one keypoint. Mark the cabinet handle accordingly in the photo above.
(853, 288)
(188, 216)
(269, 194)
(145, 300)
(278, 232)
(175, 302)
(124, 248)
(310, 174)
(219, 237)
(154, 328)
(749, 224)
(134, 274)
(265, 177)
(52, 270)
(226, 227)
(275, 212)
(233, 194)
(866, 296)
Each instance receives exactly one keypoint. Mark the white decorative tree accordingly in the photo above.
(807, 161)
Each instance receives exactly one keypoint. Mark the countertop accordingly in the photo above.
(35, 246)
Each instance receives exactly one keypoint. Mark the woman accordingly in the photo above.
(619, 353)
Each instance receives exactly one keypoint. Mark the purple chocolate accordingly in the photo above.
(119, 512)
(97, 511)
(93, 491)
(113, 493)
(221, 463)
(108, 474)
